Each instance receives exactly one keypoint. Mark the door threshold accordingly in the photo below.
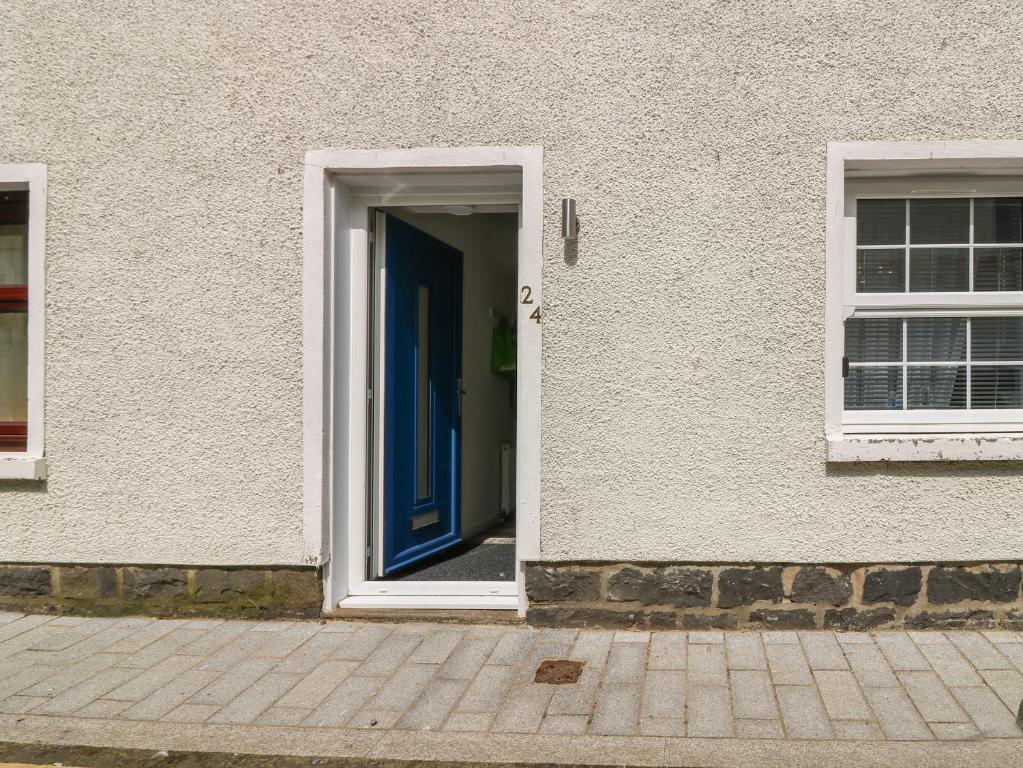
(435, 589)
(433, 602)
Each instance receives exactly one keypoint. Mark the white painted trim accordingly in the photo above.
(335, 438)
(925, 447)
(316, 448)
(22, 469)
(435, 200)
(378, 282)
(351, 427)
(30, 464)
(933, 420)
(903, 168)
(424, 602)
(435, 588)
(937, 155)
(529, 364)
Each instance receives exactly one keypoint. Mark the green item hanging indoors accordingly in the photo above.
(502, 351)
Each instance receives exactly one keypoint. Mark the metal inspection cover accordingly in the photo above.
(558, 671)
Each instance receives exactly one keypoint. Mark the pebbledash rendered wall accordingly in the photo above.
(683, 339)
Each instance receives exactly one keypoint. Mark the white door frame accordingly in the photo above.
(335, 367)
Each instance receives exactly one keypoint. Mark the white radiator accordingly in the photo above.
(507, 480)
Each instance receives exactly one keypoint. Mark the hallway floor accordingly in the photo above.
(488, 557)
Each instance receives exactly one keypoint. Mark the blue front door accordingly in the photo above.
(422, 377)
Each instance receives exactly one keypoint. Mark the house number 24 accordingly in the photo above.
(527, 298)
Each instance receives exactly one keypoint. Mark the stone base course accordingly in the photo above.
(776, 596)
(103, 590)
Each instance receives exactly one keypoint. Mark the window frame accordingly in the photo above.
(927, 304)
(30, 464)
(924, 170)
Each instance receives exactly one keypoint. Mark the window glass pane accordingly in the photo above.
(997, 338)
(423, 395)
(936, 339)
(13, 367)
(878, 388)
(998, 220)
(881, 271)
(939, 269)
(997, 269)
(873, 340)
(996, 386)
(936, 386)
(939, 221)
(13, 237)
(880, 222)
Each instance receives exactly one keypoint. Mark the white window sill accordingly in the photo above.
(1003, 446)
(22, 468)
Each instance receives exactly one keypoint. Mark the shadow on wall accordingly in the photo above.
(571, 252)
(967, 469)
(23, 486)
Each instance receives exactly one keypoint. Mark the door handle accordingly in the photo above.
(460, 391)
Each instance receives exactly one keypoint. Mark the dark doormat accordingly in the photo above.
(472, 561)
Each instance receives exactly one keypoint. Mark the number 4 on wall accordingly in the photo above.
(527, 298)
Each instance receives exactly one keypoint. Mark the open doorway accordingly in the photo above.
(444, 381)
(346, 191)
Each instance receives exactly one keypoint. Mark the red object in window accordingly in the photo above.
(13, 436)
(13, 298)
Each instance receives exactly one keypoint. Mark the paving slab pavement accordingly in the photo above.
(420, 691)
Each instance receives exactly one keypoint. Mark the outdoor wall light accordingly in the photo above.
(569, 222)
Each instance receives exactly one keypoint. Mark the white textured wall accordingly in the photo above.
(683, 350)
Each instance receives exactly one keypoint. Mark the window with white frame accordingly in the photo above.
(933, 304)
(22, 210)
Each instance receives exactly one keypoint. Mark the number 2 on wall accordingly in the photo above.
(527, 298)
